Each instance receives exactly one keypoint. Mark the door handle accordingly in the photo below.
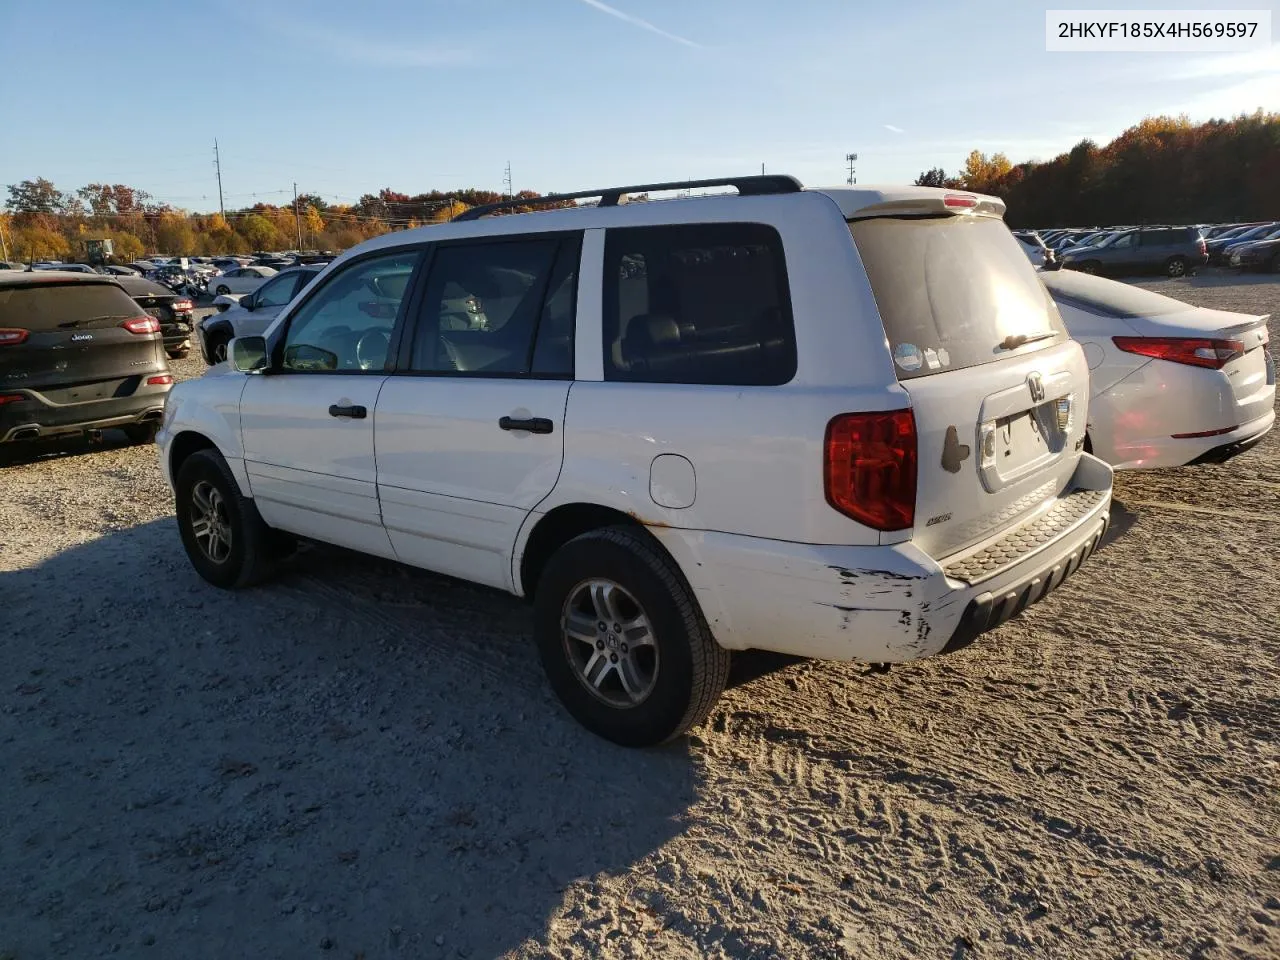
(533, 424)
(353, 412)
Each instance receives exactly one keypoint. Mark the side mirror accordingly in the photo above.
(248, 354)
(248, 303)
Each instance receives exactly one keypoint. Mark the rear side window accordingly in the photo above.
(951, 290)
(48, 307)
(698, 303)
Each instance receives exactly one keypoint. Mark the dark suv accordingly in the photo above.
(1173, 251)
(77, 354)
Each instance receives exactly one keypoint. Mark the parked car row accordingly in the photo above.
(587, 407)
(1172, 250)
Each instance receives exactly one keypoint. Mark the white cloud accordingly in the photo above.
(892, 129)
(637, 22)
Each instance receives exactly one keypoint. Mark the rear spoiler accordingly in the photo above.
(948, 204)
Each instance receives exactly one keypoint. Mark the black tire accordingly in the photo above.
(1175, 267)
(141, 433)
(222, 290)
(691, 667)
(1091, 267)
(1273, 265)
(178, 354)
(218, 349)
(253, 552)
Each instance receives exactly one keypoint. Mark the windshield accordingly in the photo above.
(1255, 233)
(953, 292)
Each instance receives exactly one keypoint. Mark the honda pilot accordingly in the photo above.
(843, 423)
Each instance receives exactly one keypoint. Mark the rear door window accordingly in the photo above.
(698, 304)
(952, 291)
(499, 308)
(49, 307)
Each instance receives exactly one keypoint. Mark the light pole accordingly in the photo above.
(851, 158)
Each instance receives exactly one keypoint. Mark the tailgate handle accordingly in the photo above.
(354, 412)
(533, 424)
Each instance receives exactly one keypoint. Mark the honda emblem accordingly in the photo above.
(1036, 385)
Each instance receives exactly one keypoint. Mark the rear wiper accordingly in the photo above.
(1015, 340)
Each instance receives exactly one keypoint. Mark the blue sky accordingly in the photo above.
(346, 98)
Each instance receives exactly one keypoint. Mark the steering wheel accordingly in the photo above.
(371, 349)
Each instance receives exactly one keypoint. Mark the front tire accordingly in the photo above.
(1175, 267)
(225, 538)
(218, 349)
(623, 641)
(178, 354)
(222, 290)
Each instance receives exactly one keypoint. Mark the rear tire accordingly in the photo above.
(178, 354)
(207, 499)
(673, 663)
(222, 290)
(141, 433)
(1175, 267)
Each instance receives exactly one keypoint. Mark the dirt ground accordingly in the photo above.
(360, 760)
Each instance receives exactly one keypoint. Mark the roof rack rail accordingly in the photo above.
(756, 185)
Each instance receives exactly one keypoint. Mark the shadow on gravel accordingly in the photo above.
(1122, 520)
(356, 757)
(33, 451)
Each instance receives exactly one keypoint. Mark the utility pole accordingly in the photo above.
(217, 165)
(762, 169)
(511, 193)
(297, 218)
(4, 247)
(851, 158)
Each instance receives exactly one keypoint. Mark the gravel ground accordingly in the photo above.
(361, 760)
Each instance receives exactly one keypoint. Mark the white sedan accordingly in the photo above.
(1170, 384)
(241, 280)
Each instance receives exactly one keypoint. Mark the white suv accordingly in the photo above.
(840, 423)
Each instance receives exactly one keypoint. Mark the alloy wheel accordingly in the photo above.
(610, 643)
(209, 523)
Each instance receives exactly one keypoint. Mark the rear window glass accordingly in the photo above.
(951, 290)
(1109, 297)
(46, 307)
(697, 303)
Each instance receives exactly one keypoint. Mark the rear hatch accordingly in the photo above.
(84, 341)
(997, 389)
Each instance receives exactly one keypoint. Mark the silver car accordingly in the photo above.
(254, 312)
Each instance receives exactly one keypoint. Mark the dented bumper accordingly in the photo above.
(886, 603)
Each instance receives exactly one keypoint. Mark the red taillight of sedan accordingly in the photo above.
(1213, 354)
(183, 306)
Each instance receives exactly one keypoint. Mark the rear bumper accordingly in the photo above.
(888, 603)
(37, 417)
(1237, 445)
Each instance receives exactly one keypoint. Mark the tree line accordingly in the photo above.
(45, 223)
(1162, 170)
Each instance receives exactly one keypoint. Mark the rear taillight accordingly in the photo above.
(10, 338)
(183, 306)
(1204, 248)
(1214, 354)
(962, 200)
(142, 325)
(869, 468)
(160, 380)
(11, 398)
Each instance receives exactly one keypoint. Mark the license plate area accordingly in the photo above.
(1013, 446)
